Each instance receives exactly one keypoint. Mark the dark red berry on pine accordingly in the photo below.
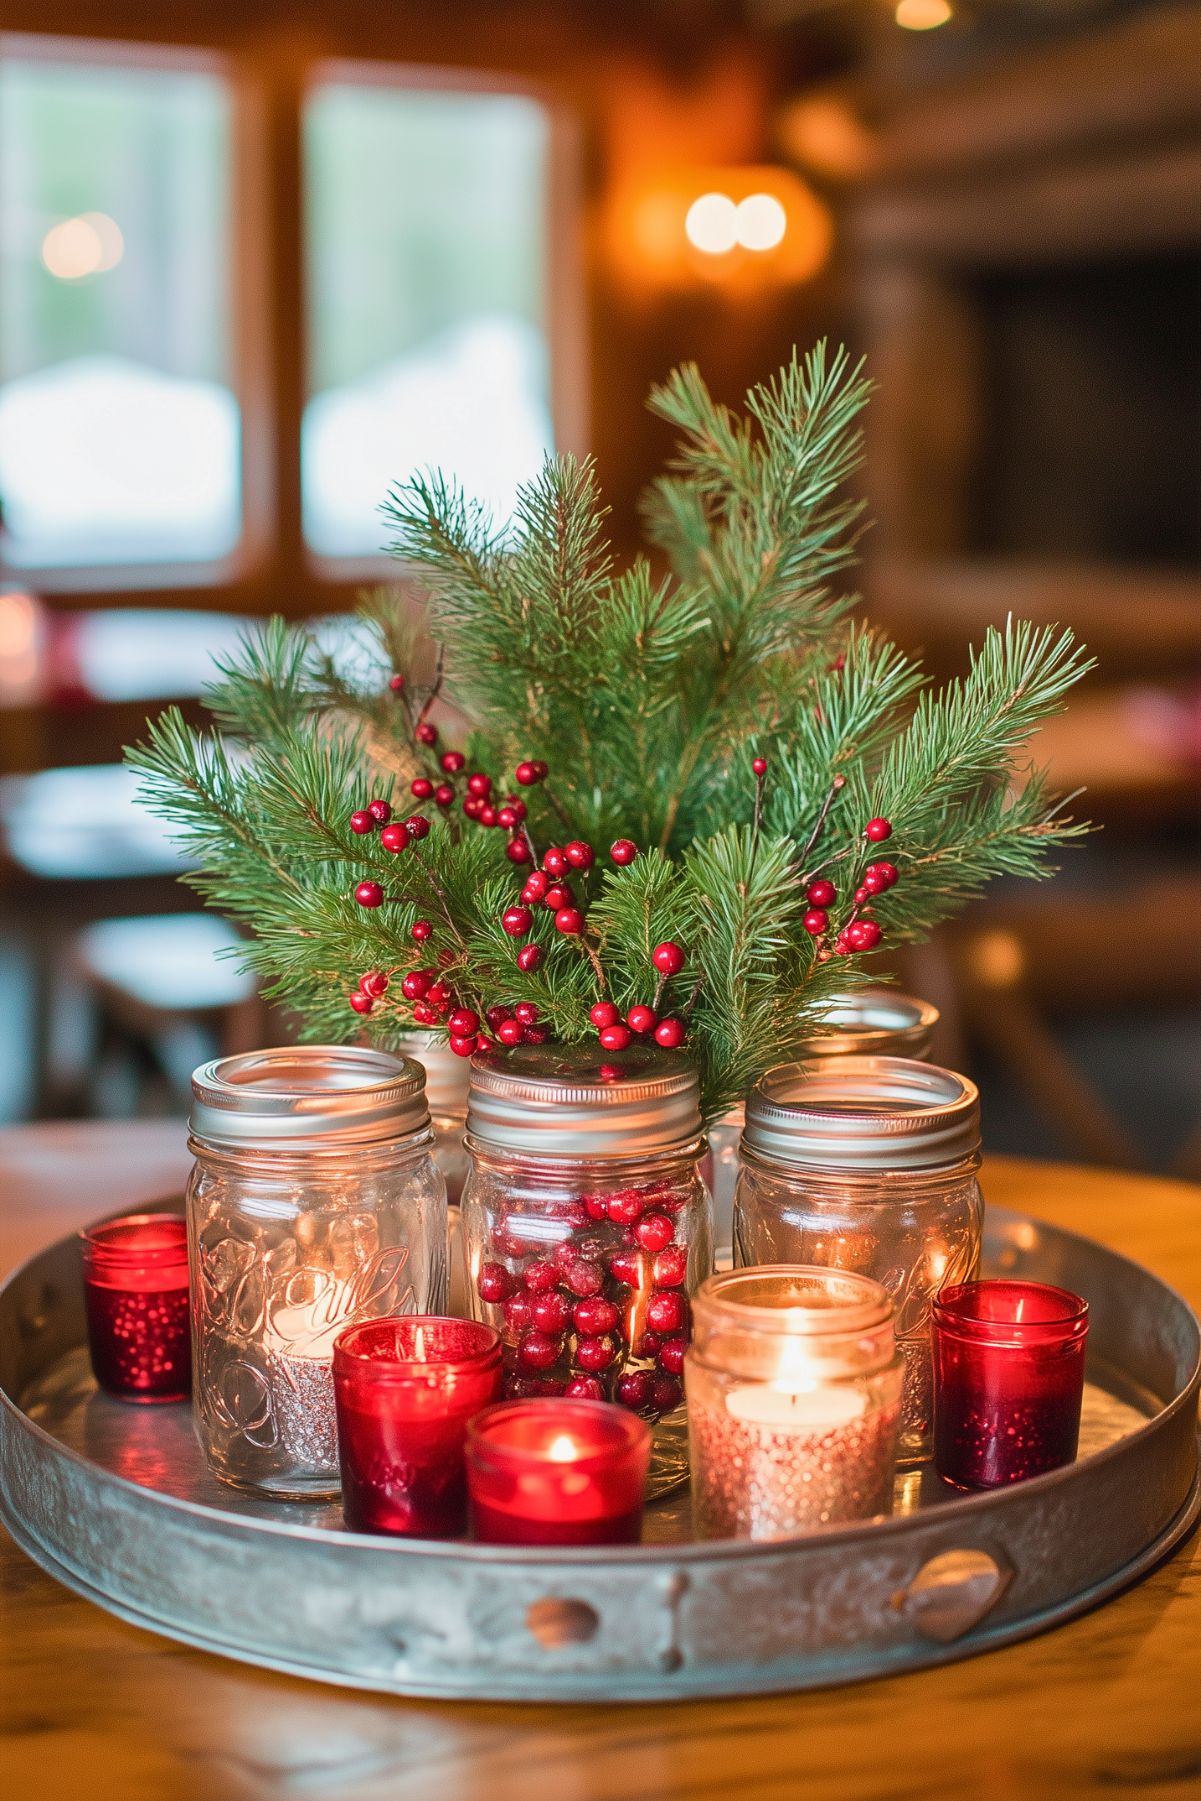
(444, 795)
(861, 895)
(634, 1389)
(496, 1016)
(536, 1034)
(821, 893)
(555, 861)
(584, 1388)
(396, 683)
(595, 1353)
(569, 920)
(362, 822)
(480, 784)
(510, 1033)
(878, 830)
(538, 1351)
(421, 788)
(420, 930)
(625, 1266)
(463, 1046)
(558, 895)
(516, 806)
(595, 1316)
(463, 1022)
(759, 765)
(642, 1019)
(374, 983)
(494, 1284)
(418, 825)
(551, 1311)
(416, 984)
(473, 806)
(369, 894)
(623, 851)
(536, 885)
(452, 761)
(395, 837)
(863, 935)
(668, 958)
(423, 1015)
(670, 1034)
(879, 876)
(517, 921)
(426, 733)
(816, 921)
(362, 1003)
(666, 1394)
(604, 1013)
(526, 1013)
(671, 1355)
(529, 957)
(487, 814)
(526, 774)
(380, 811)
(670, 1267)
(541, 769)
(615, 1038)
(579, 854)
(666, 1311)
(506, 817)
(654, 1231)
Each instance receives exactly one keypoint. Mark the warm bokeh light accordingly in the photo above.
(22, 647)
(88, 244)
(761, 222)
(922, 15)
(824, 132)
(711, 224)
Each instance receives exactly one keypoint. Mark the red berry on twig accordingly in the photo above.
(369, 894)
(623, 851)
(529, 957)
(878, 830)
(395, 837)
(421, 788)
(670, 1033)
(536, 885)
(668, 958)
(416, 984)
(421, 930)
(615, 1038)
(603, 1014)
(555, 861)
(426, 733)
(759, 765)
(569, 920)
(821, 893)
(444, 795)
(816, 921)
(418, 825)
(374, 983)
(509, 1032)
(517, 850)
(362, 1003)
(642, 1019)
(396, 683)
(463, 1047)
(579, 854)
(517, 921)
(380, 811)
(452, 761)
(362, 822)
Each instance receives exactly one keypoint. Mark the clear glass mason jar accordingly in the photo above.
(446, 1081)
(868, 1164)
(586, 1226)
(872, 1022)
(794, 1401)
(314, 1202)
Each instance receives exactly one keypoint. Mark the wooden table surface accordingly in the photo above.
(90, 1707)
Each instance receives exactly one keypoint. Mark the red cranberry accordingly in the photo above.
(558, 895)
(816, 921)
(525, 1013)
(642, 1019)
(396, 683)
(416, 984)
(421, 788)
(759, 765)
(604, 1013)
(444, 795)
(426, 733)
(595, 1316)
(585, 1277)
(625, 1266)
(670, 1033)
(540, 1276)
(510, 1032)
(463, 1022)
(648, 1345)
(595, 1353)
(423, 1015)
(863, 935)
(487, 815)
(623, 851)
(615, 1038)
(584, 1388)
(536, 885)
(878, 830)
(670, 1267)
(671, 1355)
(877, 877)
(634, 1389)
(517, 850)
(464, 1047)
(596, 1206)
(418, 825)
(374, 983)
(517, 921)
(579, 854)
(668, 958)
(821, 893)
(494, 1283)
(529, 957)
(452, 761)
(569, 920)
(479, 784)
(519, 1313)
(380, 811)
(362, 822)
(496, 1016)
(555, 861)
(665, 1311)
(538, 1351)
(421, 930)
(362, 1003)
(551, 1311)
(666, 1394)
(654, 1231)
(473, 806)
(369, 894)
(526, 774)
(626, 1207)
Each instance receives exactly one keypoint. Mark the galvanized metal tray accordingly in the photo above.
(115, 1501)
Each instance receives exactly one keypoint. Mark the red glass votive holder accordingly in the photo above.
(1008, 1380)
(404, 1390)
(135, 1291)
(552, 1472)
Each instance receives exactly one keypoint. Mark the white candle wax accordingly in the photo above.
(789, 1410)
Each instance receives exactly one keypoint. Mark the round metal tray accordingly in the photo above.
(116, 1502)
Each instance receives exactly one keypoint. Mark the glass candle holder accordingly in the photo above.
(1008, 1380)
(135, 1288)
(868, 1164)
(586, 1227)
(556, 1472)
(794, 1401)
(404, 1390)
(314, 1203)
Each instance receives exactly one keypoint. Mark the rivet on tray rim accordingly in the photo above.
(952, 1592)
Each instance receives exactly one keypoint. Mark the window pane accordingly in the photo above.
(426, 275)
(119, 432)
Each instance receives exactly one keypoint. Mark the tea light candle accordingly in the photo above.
(135, 1285)
(1008, 1380)
(794, 1391)
(404, 1390)
(556, 1472)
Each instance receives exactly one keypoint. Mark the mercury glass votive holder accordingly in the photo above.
(555, 1472)
(404, 1390)
(793, 1382)
(1008, 1380)
(135, 1285)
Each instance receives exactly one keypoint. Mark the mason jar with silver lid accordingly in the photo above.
(871, 1022)
(314, 1202)
(586, 1225)
(868, 1164)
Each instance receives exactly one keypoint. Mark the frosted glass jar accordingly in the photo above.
(868, 1164)
(586, 1226)
(314, 1202)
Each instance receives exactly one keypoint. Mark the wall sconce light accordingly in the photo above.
(922, 15)
(740, 227)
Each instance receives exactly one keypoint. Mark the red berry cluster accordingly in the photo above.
(604, 1314)
(517, 1025)
(861, 932)
(641, 1020)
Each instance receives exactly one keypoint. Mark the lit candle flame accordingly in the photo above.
(562, 1449)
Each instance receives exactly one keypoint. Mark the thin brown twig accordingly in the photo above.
(836, 786)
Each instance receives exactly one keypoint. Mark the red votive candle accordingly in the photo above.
(1008, 1380)
(135, 1290)
(404, 1390)
(551, 1472)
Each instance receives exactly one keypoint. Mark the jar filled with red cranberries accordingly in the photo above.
(587, 1226)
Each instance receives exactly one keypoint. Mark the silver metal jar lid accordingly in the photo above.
(559, 1100)
(446, 1076)
(307, 1097)
(874, 1022)
(863, 1113)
